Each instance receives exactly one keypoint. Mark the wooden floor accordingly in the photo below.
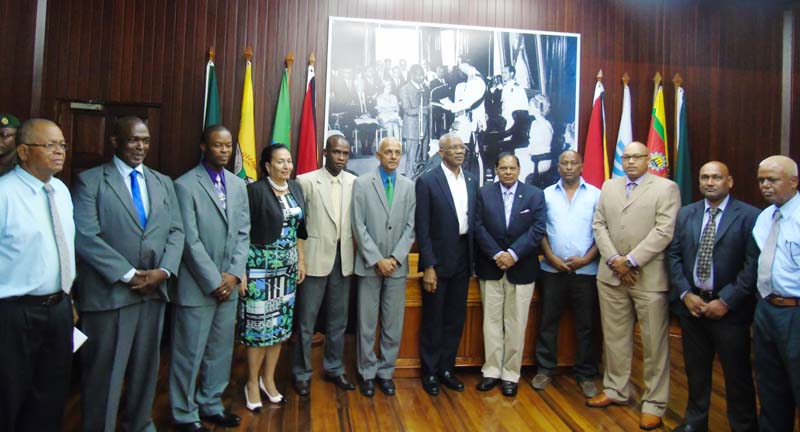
(558, 408)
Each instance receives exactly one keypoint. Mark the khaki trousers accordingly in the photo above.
(620, 308)
(505, 315)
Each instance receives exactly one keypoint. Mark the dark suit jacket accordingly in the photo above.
(526, 227)
(735, 259)
(266, 216)
(436, 223)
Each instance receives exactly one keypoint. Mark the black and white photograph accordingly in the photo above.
(499, 90)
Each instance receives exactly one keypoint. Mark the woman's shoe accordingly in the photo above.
(278, 400)
(254, 407)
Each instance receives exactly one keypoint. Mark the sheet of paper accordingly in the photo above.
(78, 338)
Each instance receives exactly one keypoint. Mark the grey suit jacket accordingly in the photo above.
(381, 232)
(217, 239)
(109, 240)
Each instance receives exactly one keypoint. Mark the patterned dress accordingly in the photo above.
(267, 308)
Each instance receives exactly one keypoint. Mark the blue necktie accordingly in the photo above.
(137, 198)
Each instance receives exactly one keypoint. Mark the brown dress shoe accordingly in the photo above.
(649, 421)
(601, 401)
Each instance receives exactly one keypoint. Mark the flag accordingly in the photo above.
(211, 114)
(657, 137)
(245, 164)
(683, 164)
(625, 135)
(281, 130)
(307, 142)
(595, 162)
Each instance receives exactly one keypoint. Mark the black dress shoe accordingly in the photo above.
(367, 387)
(302, 387)
(224, 419)
(190, 427)
(509, 388)
(486, 384)
(686, 427)
(340, 381)
(451, 381)
(386, 386)
(431, 384)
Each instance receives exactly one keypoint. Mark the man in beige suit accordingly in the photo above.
(329, 263)
(633, 225)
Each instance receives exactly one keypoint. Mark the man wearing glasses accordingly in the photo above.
(38, 266)
(8, 133)
(633, 226)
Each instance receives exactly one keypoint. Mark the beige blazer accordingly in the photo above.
(640, 225)
(320, 247)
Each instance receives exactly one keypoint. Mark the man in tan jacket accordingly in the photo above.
(633, 226)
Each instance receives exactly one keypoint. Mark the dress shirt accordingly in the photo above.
(458, 189)
(336, 199)
(628, 192)
(386, 176)
(29, 262)
(786, 265)
(576, 237)
(507, 194)
(213, 174)
(708, 284)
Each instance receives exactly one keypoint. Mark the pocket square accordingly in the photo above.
(525, 211)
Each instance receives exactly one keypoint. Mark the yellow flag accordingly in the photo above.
(245, 164)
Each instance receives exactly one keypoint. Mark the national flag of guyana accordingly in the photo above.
(657, 137)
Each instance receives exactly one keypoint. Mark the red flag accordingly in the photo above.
(307, 144)
(595, 162)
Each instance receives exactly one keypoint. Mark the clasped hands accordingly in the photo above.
(504, 260)
(628, 275)
(146, 281)
(715, 309)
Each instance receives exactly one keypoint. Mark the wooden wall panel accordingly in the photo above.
(18, 21)
(150, 51)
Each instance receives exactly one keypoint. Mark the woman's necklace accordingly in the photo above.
(278, 188)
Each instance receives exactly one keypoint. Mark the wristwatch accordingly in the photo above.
(628, 263)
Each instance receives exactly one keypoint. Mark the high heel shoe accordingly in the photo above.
(254, 407)
(278, 400)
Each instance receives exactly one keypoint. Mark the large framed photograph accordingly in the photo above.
(499, 90)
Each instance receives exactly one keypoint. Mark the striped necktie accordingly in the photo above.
(64, 262)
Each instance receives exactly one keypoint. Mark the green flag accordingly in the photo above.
(683, 164)
(281, 130)
(211, 115)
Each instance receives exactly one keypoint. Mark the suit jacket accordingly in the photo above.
(266, 216)
(526, 227)
(735, 257)
(436, 223)
(641, 226)
(319, 248)
(380, 231)
(110, 241)
(217, 239)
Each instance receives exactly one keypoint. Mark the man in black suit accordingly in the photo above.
(446, 197)
(510, 223)
(713, 261)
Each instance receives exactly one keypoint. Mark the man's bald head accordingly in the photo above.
(28, 131)
(637, 147)
(777, 179)
(785, 163)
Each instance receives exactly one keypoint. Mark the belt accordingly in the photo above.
(782, 301)
(32, 300)
(705, 294)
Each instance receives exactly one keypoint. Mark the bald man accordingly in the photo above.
(633, 226)
(777, 317)
(712, 261)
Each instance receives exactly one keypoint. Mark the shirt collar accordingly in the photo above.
(450, 174)
(126, 169)
(330, 177)
(512, 189)
(789, 208)
(32, 182)
(638, 181)
(581, 183)
(385, 175)
(214, 173)
(721, 206)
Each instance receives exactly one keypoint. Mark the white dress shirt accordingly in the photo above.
(458, 189)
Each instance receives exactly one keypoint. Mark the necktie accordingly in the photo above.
(767, 257)
(138, 203)
(336, 201)
(220, 192)
(508, 201)
(389, 191)
(64, 263)
(706, 251)
(629, 189)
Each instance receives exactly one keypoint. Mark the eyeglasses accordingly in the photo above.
(49, 147)
(634, 157)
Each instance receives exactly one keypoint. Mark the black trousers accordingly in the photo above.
(35, 364)
(701, 339)
(581, 290)
(443, 314)
(777, 357)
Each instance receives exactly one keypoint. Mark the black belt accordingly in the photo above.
(706, 295)
(33, 300)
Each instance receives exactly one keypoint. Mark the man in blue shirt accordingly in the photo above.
(37, 264)
(777, 318)
(569, 271)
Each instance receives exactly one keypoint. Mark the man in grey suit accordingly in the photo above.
(216, 220)
(383, 226)
(130, 239)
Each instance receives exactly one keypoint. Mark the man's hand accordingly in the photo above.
(504, 261)
(695, 304)
(301, 271)
(574, 263)
(630, 278)
(152, 279)
(243, 286)
(385, 267)
(429, 280)
(619, 267)
(559, 264)
(715, 309)
(224, 290)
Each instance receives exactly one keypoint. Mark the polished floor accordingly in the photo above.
(560, 407)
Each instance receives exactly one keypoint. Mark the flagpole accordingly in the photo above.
(656, 83)
(289, 61)
(211, 55)
(677, 81)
